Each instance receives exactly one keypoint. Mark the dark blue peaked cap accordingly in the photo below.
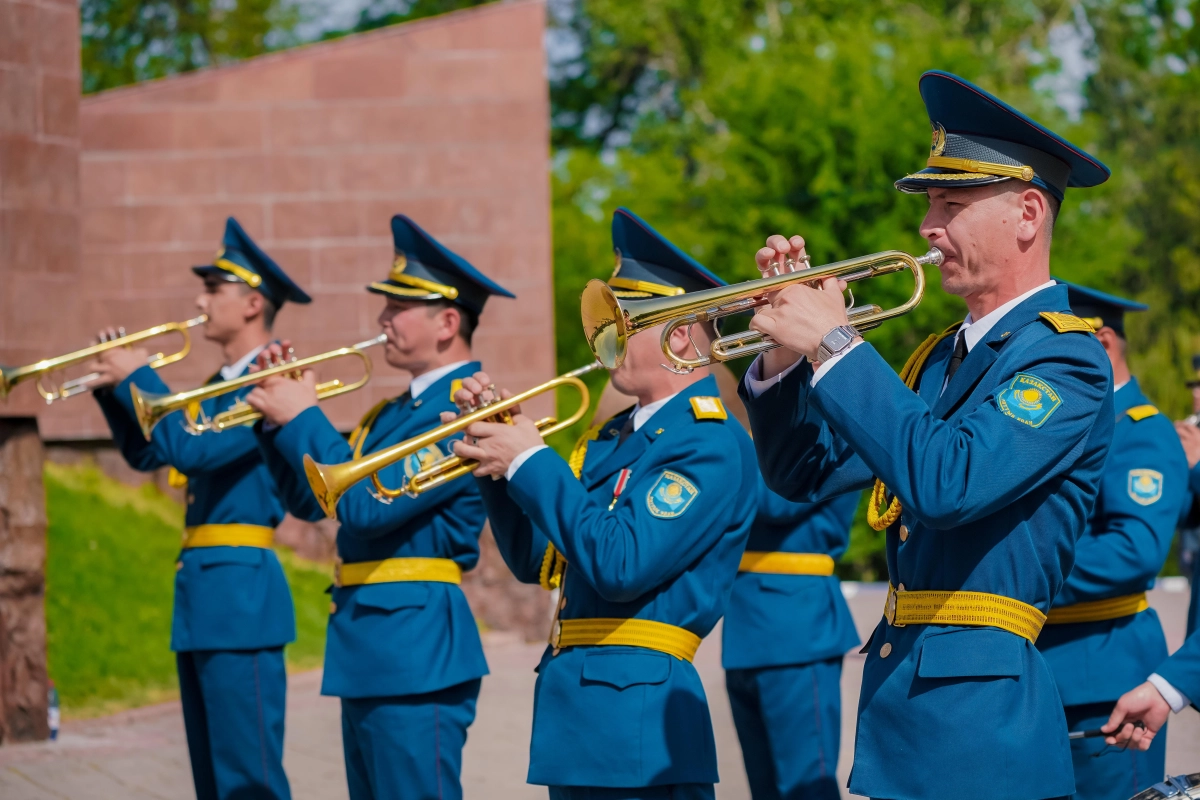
(425, 269)
(1095, 305)
(648, 264)
(240, 259)
(980, 139)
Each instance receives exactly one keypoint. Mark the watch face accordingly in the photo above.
(836, 339)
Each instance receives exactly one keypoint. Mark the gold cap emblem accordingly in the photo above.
(616, 261)
(939, 140)
(398, 265)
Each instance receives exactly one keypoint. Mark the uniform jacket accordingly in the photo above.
(1122, 550)
(226, 598)
(627, 716)
(1182, 670)
(995, 495)
(403, 638)
(779, 620)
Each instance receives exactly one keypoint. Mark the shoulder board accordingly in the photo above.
(1066, 323)
(1139, 413)
(708, 408)
(455, 385)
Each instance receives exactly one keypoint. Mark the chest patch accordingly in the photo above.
(422, 459)
(1145, 486)
(1029, 400)
(670, 495)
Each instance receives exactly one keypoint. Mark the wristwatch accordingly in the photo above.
(835, 342)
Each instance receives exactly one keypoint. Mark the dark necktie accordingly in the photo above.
(626, 429)
(956, 359)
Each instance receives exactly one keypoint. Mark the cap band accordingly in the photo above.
(645, 286)
(398, 275)
(1022, 172)
(251, 279)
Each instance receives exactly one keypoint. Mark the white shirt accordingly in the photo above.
(1176, 699)
(973, 331)
(641, 415)
(238, 367)
(426, 379)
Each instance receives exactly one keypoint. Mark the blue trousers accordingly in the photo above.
(789, 723)
(683, 791)
(233, 708)
(410, 747)
(1102, 771)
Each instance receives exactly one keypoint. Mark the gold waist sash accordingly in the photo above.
(396, 570)
(1099, 610)
(787, 563)
(963, 608)
(231, 535)
(646, 633)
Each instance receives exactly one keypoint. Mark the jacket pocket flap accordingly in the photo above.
(214, 556)
(392, 596)
(624, 668)
(973, 652)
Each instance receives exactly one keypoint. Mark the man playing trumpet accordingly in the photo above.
(403, 651)
(233, 610)
(642, 532)
(986, 460)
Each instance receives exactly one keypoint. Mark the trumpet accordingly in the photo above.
(608, 322)
(150, 407)
(11, 376)
(330, 481)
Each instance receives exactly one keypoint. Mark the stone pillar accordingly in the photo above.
(22, 583)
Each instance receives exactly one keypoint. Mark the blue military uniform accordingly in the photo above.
(1102, 638)
(1182, 670)
(1189, 529)
(233, 610)
(785, 632)
(403, 650)
(986, 475)
(644, 531)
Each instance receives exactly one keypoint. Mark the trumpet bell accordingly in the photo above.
(604, 324)
(322, 480)
(148, 409)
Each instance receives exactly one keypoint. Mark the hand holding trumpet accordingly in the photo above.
(493, 444)
(281, 398)
(113, 366)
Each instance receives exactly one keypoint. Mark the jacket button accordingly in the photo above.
(333, 608)
(178, 566)
(900, 587)
(904, 533)
(886, 650)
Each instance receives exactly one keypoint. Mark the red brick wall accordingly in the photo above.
(39, 184)
(314, 150)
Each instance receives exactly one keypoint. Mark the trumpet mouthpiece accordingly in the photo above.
(933, 257)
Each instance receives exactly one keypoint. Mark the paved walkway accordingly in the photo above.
(141, 754)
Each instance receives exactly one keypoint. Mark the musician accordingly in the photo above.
(987, 471)
(1173, 686)
(1189, 532)
(643, 530)
(785, 632)
(233, 610)
(1102, 638)
(403, 650)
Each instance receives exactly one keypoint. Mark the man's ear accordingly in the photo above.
(255, 305)
(449, 322)
(1034, 209)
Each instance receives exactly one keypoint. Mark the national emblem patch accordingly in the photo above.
(422, 459)
(670, 495)
(1145, 486)
(1029, 400)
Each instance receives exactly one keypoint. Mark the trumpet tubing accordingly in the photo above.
(330, 481)
(11, 376)
(608, 321)
(151, 408)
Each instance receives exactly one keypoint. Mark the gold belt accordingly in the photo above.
(231, 535)
(1099, 610)
(963, 608)
(646, 633)
(787, 563)
(396, 570)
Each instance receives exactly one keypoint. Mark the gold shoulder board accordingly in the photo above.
(1066, 323)
(708, 408)
(1139, 413)
(455, 385)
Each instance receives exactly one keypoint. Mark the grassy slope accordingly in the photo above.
(110, 577)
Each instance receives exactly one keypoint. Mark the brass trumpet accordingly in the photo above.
(608, 321)
(11, 376)
(330, 481)
(151, 408)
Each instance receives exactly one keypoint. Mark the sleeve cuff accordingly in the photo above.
(756, 384)
(828, 365)
(521, 458)
(1175, 698)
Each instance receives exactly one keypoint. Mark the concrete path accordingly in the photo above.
(141, 754)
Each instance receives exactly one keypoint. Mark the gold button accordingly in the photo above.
(333, 608)
(900, 588)
(904, 533)
(886, 650)
(178, 566)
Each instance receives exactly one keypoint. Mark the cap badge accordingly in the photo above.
(616, 261)
(939, 140)
(398, 265)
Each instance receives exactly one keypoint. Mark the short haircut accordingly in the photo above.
(468, 320)
(269, 308)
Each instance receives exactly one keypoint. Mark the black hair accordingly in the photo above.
(468, 320)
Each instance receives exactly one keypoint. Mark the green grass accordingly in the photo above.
(110, 585)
